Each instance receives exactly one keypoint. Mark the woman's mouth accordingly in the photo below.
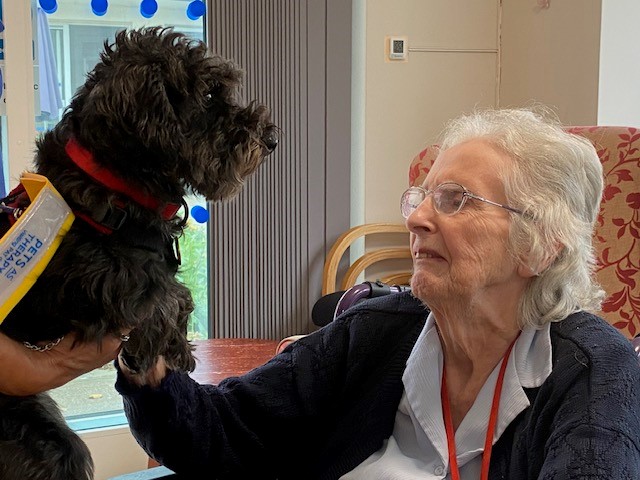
(421, 254)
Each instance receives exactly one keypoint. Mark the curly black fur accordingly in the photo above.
(161, 113)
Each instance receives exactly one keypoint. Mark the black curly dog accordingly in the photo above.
(158, 118)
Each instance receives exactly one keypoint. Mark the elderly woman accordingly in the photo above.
(491, 368)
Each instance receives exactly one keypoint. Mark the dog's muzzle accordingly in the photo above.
(270, 139)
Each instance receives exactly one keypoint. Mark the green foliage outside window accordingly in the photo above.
(193, 273)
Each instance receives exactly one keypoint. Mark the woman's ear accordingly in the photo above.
(528, 268)
(527, 271)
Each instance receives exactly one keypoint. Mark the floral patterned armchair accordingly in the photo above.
(617, 235)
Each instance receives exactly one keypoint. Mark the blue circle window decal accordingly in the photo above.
(195, 9)
(99, 7)
(200, 214)
(148, 8)
(49, 6)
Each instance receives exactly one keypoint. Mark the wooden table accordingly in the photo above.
(219, 358)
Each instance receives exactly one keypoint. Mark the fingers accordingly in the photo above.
(87, 356)
(30, 372)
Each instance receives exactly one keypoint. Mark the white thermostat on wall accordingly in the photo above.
(398, 48)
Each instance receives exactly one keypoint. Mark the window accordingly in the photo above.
(66, 44)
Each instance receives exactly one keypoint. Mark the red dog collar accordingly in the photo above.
(83, 158)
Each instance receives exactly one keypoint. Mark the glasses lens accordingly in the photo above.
(448, 198)
(410, 201)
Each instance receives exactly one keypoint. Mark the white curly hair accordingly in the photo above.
(557, 182)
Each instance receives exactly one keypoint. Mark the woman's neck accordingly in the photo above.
(473, 344)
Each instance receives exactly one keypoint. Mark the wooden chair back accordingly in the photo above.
(332, 262)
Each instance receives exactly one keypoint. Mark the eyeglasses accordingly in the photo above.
(448, 199)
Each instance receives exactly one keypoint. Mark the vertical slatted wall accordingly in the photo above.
(259, 262)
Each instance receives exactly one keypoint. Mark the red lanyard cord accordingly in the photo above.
(493, 419)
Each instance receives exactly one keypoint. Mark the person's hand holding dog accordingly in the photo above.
(27, 372)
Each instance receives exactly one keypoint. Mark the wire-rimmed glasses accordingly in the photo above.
(448, 199)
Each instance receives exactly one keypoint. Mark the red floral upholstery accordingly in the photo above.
(617, 235)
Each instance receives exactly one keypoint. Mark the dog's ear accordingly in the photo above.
(224, 80)
(131, 102)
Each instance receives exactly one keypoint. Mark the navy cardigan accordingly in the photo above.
(329, 400)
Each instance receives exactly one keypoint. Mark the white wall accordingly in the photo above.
(551, 56)
(406, 103)
(114, 451)
(619, 93)
(548, 56)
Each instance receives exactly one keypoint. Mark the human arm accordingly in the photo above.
(323, 405)
(27, 372)
(229, 429)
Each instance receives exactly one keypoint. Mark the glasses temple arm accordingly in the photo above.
(506, 207)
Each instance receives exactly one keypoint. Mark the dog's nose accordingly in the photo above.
(270, 139)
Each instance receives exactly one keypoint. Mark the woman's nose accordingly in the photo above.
(422, 218)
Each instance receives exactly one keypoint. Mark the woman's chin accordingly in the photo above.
(422, 286)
